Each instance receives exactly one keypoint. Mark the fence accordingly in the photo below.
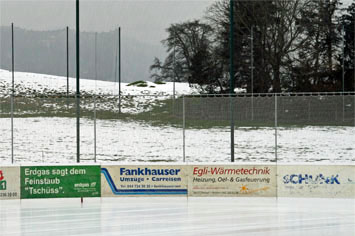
(151, 128)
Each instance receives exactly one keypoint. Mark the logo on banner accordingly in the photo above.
(245, 190)
(311, 179)
(2, 181)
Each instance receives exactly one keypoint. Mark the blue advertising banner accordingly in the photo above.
(141, 180)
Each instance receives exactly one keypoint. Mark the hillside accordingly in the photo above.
(45, 52)
(136, 97)
(31, 83)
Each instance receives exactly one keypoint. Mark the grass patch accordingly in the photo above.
(199, 113)
(159, 82)
(139, 83)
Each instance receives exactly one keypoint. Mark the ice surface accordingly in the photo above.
(178, 216)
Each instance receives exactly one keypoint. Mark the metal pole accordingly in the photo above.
(116, 55)
(231, 74)
(13, 92)
(183, 127)
(252, 73)
(174, 71)
(77, 84)
(174, 78)
(275, 127)
(276, 144)
(342, 74)
(67, 61)
(119, 69)
(95, 96)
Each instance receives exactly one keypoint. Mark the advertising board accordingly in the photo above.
(143, 180)
(335, 181)
(232, 180)
(9, 182)
(60, 181)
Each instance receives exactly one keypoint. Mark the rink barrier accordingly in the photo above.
(201, 180)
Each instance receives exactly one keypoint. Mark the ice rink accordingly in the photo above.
(178, 216)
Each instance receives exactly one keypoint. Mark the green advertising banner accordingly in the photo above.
(60, 181)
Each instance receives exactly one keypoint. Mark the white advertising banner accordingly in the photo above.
(9, 182)
(328, 181)
(232, 180)
(143, 180)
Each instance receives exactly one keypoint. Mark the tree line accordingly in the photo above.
(279, 46)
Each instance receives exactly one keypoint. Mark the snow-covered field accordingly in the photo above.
(53, 139)
(135, 99)
(39, 83)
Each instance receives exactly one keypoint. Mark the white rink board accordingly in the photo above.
(143, 180)
(9, 182)
(322, 181)
(232, 181)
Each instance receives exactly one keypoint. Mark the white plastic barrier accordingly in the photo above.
(9, 182)
(328, 181)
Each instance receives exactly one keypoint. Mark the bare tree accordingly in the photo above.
(190, 56)
(278, 36)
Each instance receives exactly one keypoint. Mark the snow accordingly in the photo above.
(136, 99)
(53, 140)
(178, 216)
(41, 83)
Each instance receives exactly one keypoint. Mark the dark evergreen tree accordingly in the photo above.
(317, 67)
(347, 19)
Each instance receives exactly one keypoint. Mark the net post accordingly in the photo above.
(77, 84)
(231, 74)
(119, 69)
(12, 93)
(275, 95)
(95, 97)
(183, 127)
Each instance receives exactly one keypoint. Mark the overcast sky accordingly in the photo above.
(142, 19)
